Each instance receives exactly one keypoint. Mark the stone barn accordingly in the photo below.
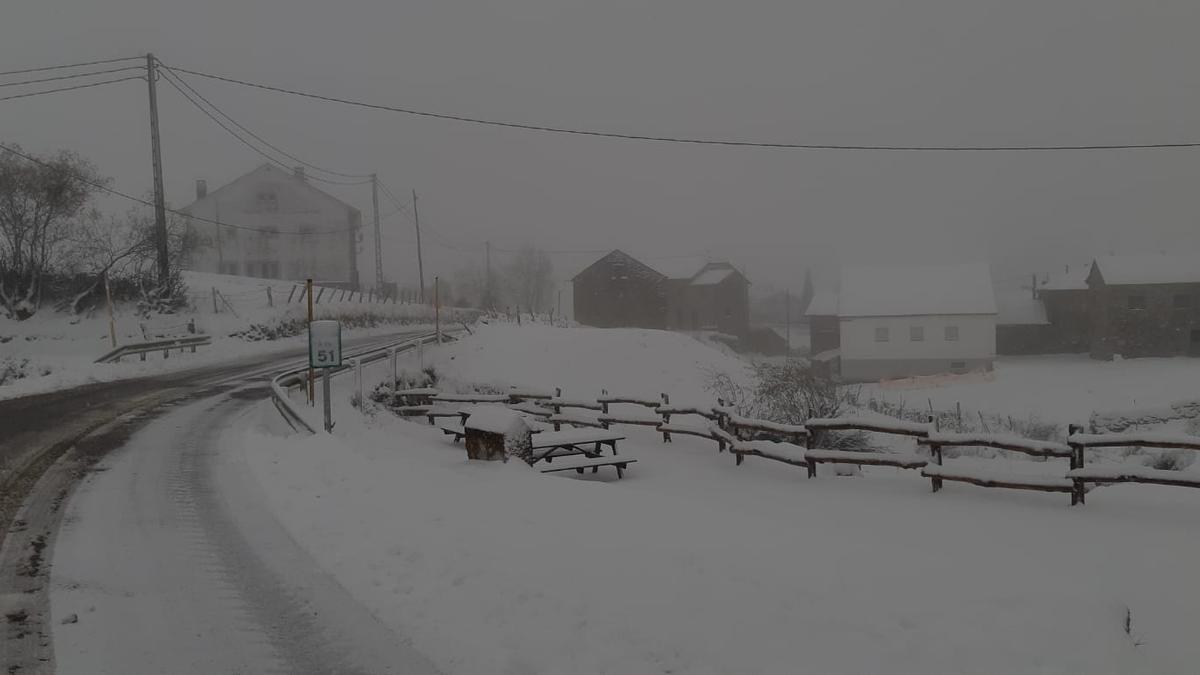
(619, 291)
(1145, 306)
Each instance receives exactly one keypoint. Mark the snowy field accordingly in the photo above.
(61, 349)
(1059, 388)
(693, 565)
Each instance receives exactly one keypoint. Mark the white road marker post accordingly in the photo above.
(395, 374)
(325, 352)
(358, 382)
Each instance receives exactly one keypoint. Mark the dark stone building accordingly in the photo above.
(1021, 324)
(618, 291)
(1145, 306)
(1067, 301)
(716, 298)
(824, 329)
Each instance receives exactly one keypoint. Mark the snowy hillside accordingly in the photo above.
(583, 361)
(54, 350)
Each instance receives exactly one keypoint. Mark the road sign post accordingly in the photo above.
(325, 352)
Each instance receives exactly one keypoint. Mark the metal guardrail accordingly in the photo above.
(165, 346)
(298, 377)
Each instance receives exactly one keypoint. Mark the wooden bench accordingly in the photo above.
(579, 464)
(788, 453)
(901, 460)
(435, 414)
(458, 431)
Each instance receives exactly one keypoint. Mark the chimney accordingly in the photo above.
(201, 188)
(298, 172)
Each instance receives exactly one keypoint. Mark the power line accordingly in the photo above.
(78, 86)
(170, 78)
(525, 126)
(71, 65)
(70, 77)
(255, 136)
(118, 193)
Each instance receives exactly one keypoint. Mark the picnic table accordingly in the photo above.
(584, 449)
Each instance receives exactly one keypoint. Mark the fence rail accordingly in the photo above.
(798, 445)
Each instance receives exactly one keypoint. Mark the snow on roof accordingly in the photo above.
(712, 276)
(1149, 269)
(1019, 308)
(963, 288)
(824, 303)
(684, 267)
(1071, 279)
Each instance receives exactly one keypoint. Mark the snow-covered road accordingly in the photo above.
(168, 562)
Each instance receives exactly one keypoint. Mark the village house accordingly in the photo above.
(824, 334)
(1021, 324)
(906, 321)
(279, 227)
(1067, 302)
(620, 291)
(1145, 306)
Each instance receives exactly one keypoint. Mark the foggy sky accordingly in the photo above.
(828, 71)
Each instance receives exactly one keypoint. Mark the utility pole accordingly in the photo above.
(378, 237)
(487, 279)
(160, 204)
(420, 262)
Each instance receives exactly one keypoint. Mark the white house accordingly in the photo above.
(275, 225)
(904, 321)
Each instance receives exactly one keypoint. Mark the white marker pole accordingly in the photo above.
(392, 354)
(358, 378)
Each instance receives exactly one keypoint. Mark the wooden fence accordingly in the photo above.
(800, 445)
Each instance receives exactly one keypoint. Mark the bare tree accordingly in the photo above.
(38, 203)
(529, 277)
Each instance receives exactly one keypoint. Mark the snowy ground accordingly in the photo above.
(61, 350)
(1058, 388)
(693, 565)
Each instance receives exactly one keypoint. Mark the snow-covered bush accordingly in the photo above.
(13, 369)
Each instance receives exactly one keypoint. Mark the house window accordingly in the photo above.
(1181, 301)
(916, 333)
(881, 333)
(268, 202)
(1136, 302)
(958, 366)
(951, 333)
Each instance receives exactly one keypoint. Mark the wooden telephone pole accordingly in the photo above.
(160, 204)
(420, 261)
(378, 236)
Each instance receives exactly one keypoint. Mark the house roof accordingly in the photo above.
(1019, 308)
(824, 303)
(1071, 279)
(712, 276)
(1128, 270)
(683, 267)
(964, 288)
(276, 174)
(621, 258)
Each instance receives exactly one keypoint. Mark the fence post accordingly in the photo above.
(270, 299)
(216, 310)
(666, 400)
(936, 450)
(319, 294)
(358, 380)
(1077, 485)
(290, 294)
